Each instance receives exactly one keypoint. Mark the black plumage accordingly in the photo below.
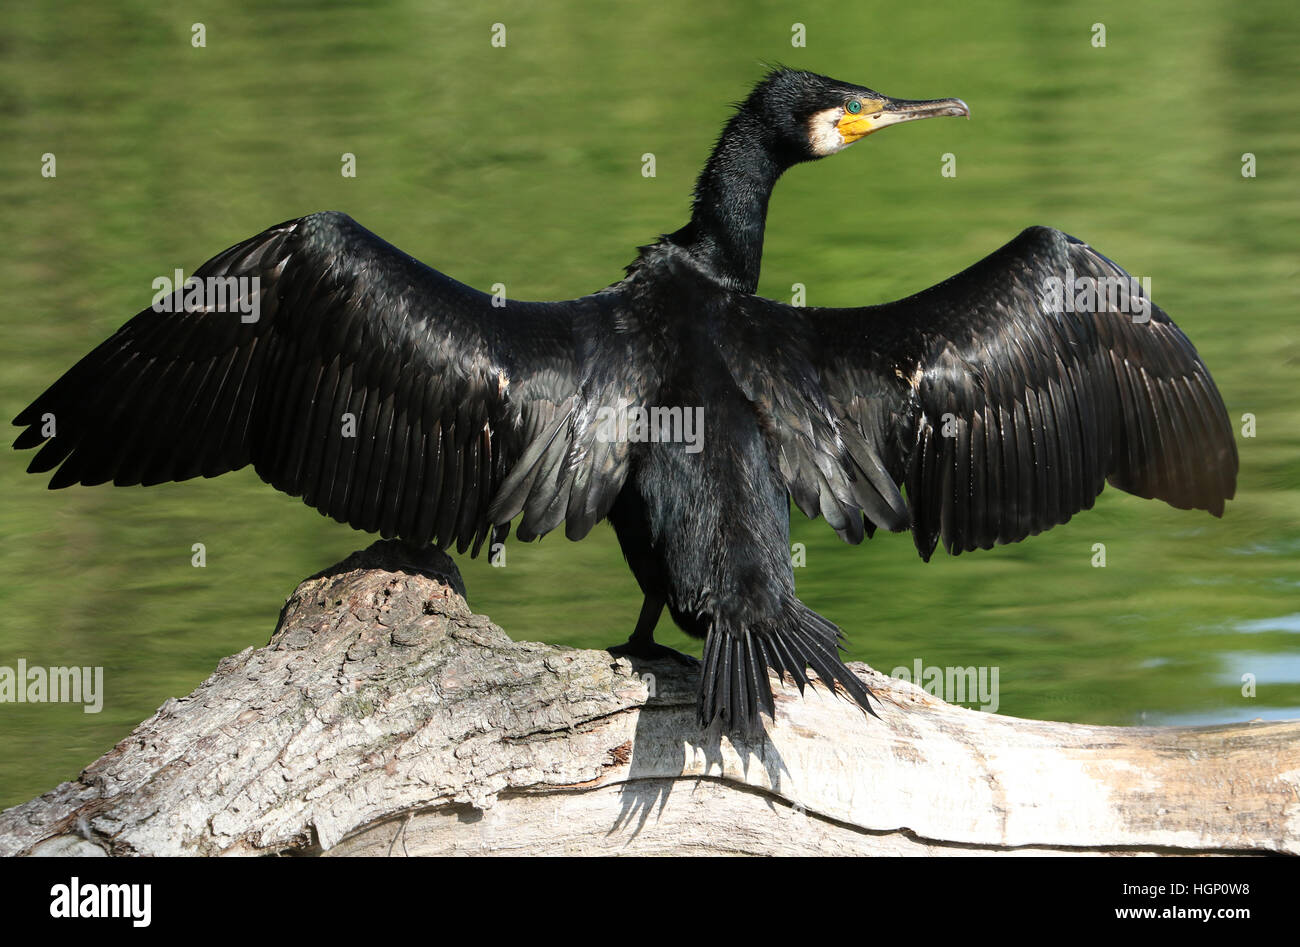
(976, 412)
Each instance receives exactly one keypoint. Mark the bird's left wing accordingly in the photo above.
(1002, 400)
(382, 392)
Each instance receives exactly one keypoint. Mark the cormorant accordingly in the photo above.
(1000, 408)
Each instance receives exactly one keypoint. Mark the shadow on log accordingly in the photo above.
(384, 717)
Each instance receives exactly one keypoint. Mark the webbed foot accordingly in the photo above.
(649, 650)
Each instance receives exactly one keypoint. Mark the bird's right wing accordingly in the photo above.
(382, 392)
(1000, 409)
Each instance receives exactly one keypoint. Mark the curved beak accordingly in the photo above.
(879, 113)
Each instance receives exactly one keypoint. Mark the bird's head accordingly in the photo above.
(814, 116)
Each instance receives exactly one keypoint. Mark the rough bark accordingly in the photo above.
(384, 717)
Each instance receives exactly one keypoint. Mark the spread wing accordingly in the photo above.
(1002, 402)
(382, 392)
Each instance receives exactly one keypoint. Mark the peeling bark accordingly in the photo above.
(384, 717)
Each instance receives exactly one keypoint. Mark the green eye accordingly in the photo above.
(853, 107)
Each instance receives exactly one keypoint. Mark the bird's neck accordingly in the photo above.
(725, 234)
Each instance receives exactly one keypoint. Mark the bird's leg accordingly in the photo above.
(642, 643)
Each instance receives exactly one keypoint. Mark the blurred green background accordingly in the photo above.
(523, 165)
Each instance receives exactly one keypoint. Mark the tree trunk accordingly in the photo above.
(384, 717)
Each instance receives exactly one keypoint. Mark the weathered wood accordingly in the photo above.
(384, 717)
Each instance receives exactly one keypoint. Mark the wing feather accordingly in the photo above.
(444, 391)
(999, 411)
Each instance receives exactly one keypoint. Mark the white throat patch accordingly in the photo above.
(823, 134)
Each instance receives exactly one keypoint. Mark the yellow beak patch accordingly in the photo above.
(853, 127)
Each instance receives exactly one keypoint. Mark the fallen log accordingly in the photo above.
(384, 717)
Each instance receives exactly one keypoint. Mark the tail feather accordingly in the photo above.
(734, 684)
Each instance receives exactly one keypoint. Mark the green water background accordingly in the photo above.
(522, 165)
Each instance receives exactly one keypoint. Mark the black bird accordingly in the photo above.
(1000, 408)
